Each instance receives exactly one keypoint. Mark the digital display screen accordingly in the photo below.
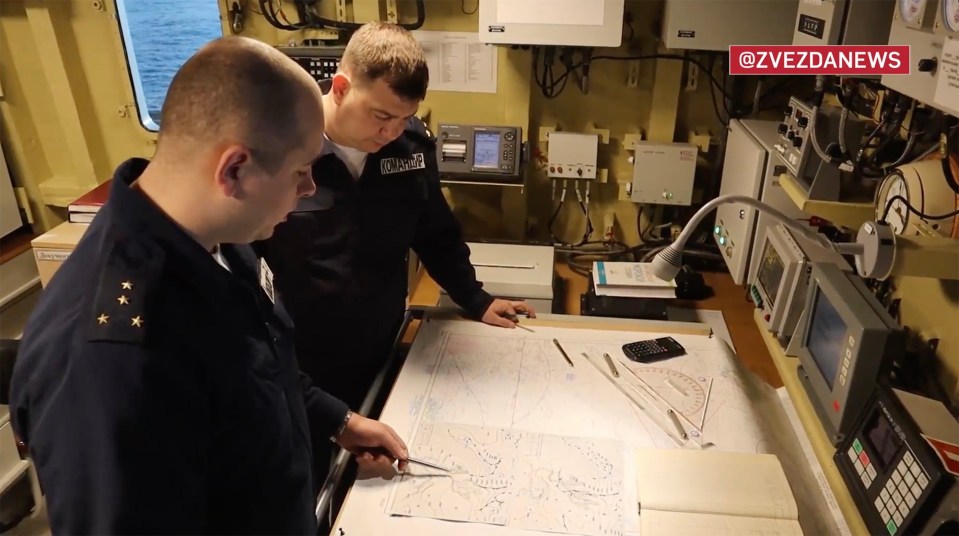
(771, 273)
(827, 332)
(883, 439)
(486, 150)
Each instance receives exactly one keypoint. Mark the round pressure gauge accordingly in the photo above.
(950, 15)
(911, 10)
(898, 216)
(923, 186)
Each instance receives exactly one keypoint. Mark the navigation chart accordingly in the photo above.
(520, 479)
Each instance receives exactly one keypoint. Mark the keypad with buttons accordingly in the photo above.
(323, 68)
(901, 491)
(320, 68)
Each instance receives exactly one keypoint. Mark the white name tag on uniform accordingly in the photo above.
(388, 166)
(266, 280)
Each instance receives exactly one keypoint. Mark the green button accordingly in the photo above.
(891, 527)
(717, 229)
(857, 446)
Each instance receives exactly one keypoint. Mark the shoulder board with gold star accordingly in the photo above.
(119, 308)
(418, 129)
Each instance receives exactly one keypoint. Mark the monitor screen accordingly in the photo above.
(486, 150)
(770, 272)
(825, 338)
(883, 439)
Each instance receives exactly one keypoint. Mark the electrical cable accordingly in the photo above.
(269, 12)
(589, 226)
(723, 120)
(677, 57)
(817, 147)
(914, 210)
(310, 20)
(757, 95)
(905, 152)
(842, 129)
(589, 223)
(552, 219)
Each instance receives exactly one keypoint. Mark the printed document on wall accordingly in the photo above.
(458, 61)
(947, 79)
(569, 12)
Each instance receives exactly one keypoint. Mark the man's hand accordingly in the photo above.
(503, 313)
(374, 444)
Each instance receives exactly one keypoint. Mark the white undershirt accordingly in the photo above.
(218, 256)
(353, 158)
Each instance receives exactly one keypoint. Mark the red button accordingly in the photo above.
(864, 458)
(766, 317)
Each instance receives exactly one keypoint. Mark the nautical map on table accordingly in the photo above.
(509, 477)
(486, 379)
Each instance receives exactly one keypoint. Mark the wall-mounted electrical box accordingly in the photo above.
(914, 24)
(572, 155)
(843, 22)
(716, 24)
(663, 173)
(587, 23)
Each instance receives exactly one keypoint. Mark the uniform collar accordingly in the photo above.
(138, 217)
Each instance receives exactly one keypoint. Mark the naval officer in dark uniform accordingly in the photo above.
(156, 386)
(341, 258)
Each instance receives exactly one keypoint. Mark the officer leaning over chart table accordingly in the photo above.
(156, 385)
(340, 259)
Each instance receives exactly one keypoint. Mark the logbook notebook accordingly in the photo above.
(713, 493)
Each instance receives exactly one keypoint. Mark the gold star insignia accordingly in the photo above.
(123, 300)
(126, 285)
(102, 319)
(136, 321)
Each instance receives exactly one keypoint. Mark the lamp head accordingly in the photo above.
(667, 263)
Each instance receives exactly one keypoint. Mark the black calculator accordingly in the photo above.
(653, 349)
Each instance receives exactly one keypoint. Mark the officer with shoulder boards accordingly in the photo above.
(156, 385)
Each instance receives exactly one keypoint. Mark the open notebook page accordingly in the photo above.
(713, 482)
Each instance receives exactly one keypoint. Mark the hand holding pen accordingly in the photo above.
(504, 313)
(514, 318)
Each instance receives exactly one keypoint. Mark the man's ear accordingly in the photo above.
(341, 86)
(231, 165)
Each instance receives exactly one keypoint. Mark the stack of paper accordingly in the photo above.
(713, 493)
(630, 280)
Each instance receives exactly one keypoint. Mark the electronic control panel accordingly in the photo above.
(320, 62)
(820, 178)
(896, 465)
(793, 144)
(782, 278)
(844, 22)
(479, 152)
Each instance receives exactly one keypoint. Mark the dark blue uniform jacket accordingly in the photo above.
(340, 259)
(159, 392)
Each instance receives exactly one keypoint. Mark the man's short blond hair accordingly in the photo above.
(380, 50)
(239, 90)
